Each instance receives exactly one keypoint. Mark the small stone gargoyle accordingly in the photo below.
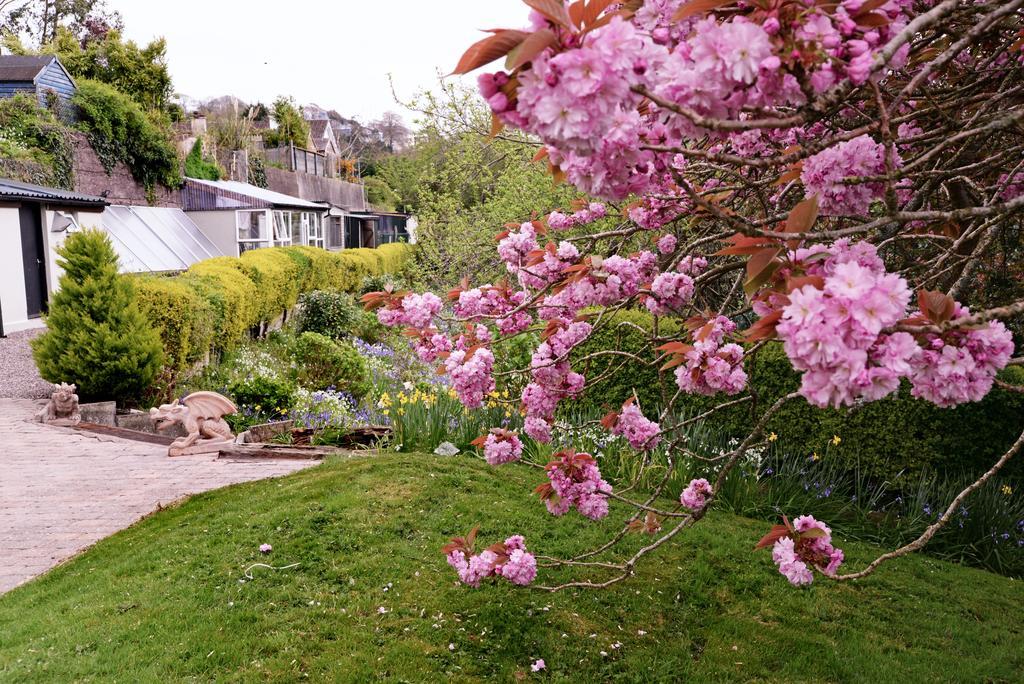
(62, 409)
(202, 416)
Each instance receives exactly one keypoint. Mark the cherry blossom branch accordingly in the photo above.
(934, 528)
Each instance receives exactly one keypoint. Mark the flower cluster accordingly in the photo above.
(470, 372)
(825, 174)
(710, 366)
(496, 302)
(431, 345)
(510, 560)
(809, 545)
(696, 495)
(575, 482)
(592, 212)
(834, 333)
(576, 97)
(641, 433)
(961, 365)
(552, 377)
(413, 310)
(501, 446)
(667, 243)
(669, 292)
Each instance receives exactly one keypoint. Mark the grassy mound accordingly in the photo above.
(164, 600)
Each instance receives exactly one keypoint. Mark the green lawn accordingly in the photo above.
(164, 601)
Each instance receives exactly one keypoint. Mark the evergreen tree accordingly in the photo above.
(97, 336)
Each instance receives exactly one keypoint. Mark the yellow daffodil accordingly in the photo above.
(401, 411)
(836, 439)
(773, 437)
(815, 456)
(1007, 490)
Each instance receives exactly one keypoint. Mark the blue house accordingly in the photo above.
(41, 75)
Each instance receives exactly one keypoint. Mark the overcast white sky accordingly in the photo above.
(336, 54)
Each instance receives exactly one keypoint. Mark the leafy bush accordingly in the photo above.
(198, 167)
(32, 134)
(120, 131)
(378, 283)
(379, 194)
(322, 363)
(334, 314)
(97, 336)
(260, 399)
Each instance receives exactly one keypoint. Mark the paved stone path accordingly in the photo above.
(61, 490)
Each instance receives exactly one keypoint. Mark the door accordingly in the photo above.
(34, 259)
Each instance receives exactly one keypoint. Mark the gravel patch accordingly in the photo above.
(19, 378)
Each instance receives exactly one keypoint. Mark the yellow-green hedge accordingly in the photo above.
(181, 316)
(216, 303)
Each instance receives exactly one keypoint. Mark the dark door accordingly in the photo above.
(34, 258)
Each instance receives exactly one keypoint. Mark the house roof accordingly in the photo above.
(321, 132)
(154, 239)
(16, 190)
(23, 68)
(206, 195)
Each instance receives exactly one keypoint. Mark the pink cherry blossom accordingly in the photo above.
(696, 494)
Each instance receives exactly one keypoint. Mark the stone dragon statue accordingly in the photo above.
(202, 416)
(62, 407)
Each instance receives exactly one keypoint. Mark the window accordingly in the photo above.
(283, 229)
(353, 232)
(314, 228)
(297, 237)
(253, 232)
(335, 232)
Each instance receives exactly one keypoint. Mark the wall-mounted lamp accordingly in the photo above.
(63, 223)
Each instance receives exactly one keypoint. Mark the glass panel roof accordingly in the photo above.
(154, 239)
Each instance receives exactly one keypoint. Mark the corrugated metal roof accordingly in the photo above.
(155, 239)
(16, 190)
(22, 68)
(206, 195)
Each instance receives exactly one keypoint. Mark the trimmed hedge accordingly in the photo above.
(887, 438)
(218, 302)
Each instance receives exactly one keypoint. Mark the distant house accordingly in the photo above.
(34, 221)
(41, 75)
(323, 137)
(238, 217)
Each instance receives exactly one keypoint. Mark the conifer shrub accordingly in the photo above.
(97, 335)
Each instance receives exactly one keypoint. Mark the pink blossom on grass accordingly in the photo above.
(696, 494)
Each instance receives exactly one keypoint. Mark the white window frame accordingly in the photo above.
(313, 229)
(262, 241)
(282, 228)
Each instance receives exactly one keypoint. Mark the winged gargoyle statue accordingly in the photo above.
(202, 416)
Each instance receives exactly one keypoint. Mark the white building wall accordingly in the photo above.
(12, 272)
(220, 226)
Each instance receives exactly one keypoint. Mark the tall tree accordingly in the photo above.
(291, 126)
(392, 131)
(40, 20)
